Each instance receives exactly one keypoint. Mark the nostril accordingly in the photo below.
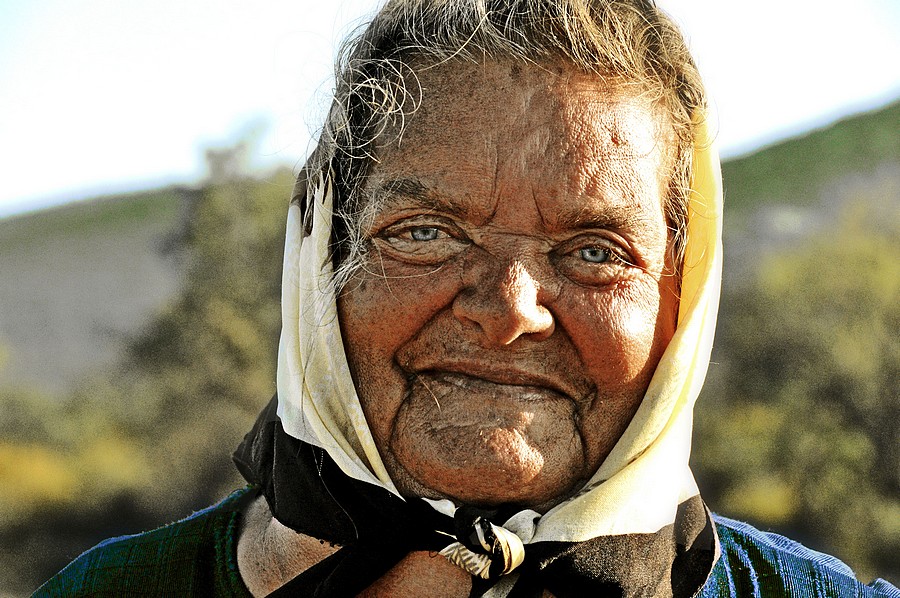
(539, 322)
(505, 306)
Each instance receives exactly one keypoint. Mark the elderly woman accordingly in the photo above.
(500, 285)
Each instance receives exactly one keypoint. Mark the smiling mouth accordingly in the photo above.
(499, 387)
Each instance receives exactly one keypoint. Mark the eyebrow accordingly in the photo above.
(615, 217)
(405, 192)
(411, 192)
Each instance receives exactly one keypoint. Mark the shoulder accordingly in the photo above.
(186, 558)
(756, 563)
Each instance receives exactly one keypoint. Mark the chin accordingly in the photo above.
(496, 467)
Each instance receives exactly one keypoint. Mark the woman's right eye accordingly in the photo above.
(422, 243)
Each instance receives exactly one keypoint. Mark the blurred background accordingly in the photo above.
(148, 151)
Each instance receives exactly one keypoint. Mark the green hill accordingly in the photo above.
(60, 264)
(798, 170)
(80, 279)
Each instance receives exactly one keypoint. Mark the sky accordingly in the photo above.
(103, 96)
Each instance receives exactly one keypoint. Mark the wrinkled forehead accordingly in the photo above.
(537, 130)
(563, 105)
(508, 90)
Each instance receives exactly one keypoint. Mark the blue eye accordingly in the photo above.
(424, 233)
(595, 255)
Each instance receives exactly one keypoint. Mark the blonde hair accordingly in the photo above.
(376, 87)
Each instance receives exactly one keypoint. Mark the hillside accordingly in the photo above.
(796, 425)
(799, 171)
(80, 280)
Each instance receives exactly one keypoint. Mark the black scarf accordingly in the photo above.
(307, 492)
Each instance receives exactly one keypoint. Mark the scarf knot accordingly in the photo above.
(483, 549)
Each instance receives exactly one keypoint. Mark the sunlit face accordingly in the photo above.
(516, 297)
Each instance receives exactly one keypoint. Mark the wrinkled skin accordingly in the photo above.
(517, 293)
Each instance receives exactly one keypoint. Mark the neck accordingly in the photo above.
(271, 554)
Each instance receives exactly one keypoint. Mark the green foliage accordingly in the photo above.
(798, 424)
(152, 442)
(206, 367)
(61, 464)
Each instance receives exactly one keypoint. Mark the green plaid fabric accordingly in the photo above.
(196, 556)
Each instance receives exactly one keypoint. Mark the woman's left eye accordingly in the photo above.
(592, 261)
(595, 255)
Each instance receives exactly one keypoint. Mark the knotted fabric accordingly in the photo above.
(483, 549)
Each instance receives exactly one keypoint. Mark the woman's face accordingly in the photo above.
(517, 296)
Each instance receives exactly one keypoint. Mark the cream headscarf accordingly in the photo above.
(646, 476)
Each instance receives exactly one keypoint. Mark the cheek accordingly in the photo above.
(378, 316)
(620, 337)
(619, 334)
(379, 313)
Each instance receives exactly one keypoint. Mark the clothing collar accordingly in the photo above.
(376, 529)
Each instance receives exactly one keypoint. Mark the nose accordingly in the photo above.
(505, 304)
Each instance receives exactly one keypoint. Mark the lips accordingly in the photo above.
(551, 368)
(502, 377)
(496, 385)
